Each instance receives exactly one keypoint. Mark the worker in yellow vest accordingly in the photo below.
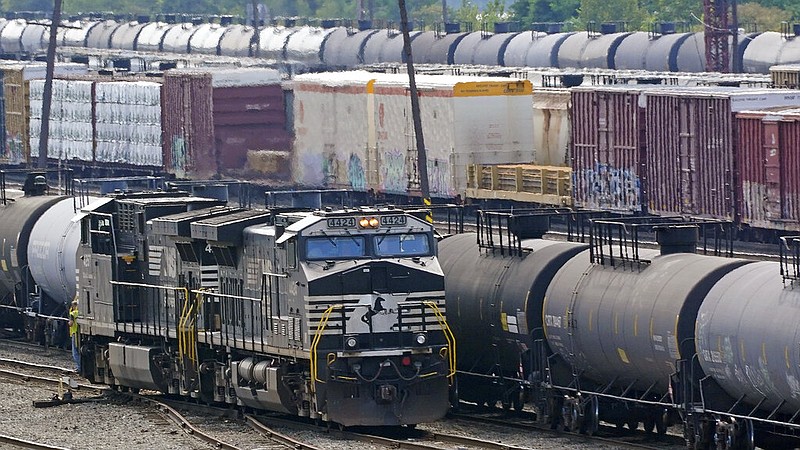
(74, 335)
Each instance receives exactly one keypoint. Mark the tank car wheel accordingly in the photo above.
(747, 438)
(649, 423)
(518, 400)
(591, 416)
(662, 422)
(411, 426)
(633, 424)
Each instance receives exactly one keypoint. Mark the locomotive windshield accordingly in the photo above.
(408, 244)
(335, 247)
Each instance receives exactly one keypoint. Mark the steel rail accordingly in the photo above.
(173, 414)
(22, 443)
(273, 435)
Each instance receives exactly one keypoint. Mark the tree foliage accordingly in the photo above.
(765, 17)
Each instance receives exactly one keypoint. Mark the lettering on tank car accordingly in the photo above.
(40, 249)
(658, 343)
(553, 321)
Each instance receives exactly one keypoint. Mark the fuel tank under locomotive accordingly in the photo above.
(494, 305)
(630, 323)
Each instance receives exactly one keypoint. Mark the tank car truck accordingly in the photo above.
(331, 315)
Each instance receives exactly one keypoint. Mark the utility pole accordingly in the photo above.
(422, 157)
(47, 95)
(444, 11)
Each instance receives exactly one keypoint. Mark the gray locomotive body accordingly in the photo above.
(330, 315)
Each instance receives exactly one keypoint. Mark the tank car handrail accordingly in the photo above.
(618, 397)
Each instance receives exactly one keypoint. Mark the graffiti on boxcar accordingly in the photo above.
(330, 166)
(355, 173)
(179, 155)
(439, 177)
(610, 187)
(393, 172)
(14, 153)
(311, 167)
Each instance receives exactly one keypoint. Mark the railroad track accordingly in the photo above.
(22, 443)
(608, 435)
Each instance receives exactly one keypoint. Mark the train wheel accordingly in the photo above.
(649, 423)
(633, 424)
(518, 400)
(748, 438)
(662, 422)
(591, 416)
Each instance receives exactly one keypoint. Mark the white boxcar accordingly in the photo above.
(128, 123)
(551, 126)
(332, 115)
(70, 119)
(355, 130)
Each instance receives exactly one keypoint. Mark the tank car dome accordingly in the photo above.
(124, 37)
(304, 45)
(176, 39)
(236, 41)
(516, 52)
(206, 38)
(99, 35)
(272, 42)
(747, 335)
(11, 36)
(151, 36)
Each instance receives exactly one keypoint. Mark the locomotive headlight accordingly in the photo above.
(369, 222)
(421, 338)
(351, 342)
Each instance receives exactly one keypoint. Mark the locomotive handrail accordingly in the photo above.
(184, 335)
(448, 334)
(323, 321)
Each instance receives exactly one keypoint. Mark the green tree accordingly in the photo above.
(601, 11)
(766, 17)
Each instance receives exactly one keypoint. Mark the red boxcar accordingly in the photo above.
(606, 148)
(188, 125)
(249, 125)
(769, 151)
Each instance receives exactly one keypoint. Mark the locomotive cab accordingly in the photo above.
(370, 284)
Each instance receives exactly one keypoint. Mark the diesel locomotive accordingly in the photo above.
(612, 330)
(332, 315)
